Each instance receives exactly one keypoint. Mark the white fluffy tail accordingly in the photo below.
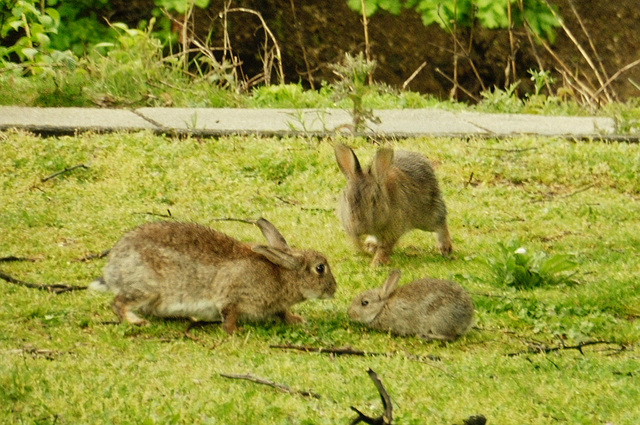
(98, 285)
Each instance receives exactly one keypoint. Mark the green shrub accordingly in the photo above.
(515, 266)
(488, 13)
(32, 27)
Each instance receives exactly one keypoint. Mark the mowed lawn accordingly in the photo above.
(566, 354)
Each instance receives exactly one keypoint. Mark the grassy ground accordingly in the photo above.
(63, 362)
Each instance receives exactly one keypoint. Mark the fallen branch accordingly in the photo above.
(240, 220)
(93, 256)
(509, 150)
(347, 351)
(36, 352)
(55, 288)
(387, 415)
(167, 215)
(295, 203)
(539, 348)
(340, 351)
(14, 258)
(66, 170)
(568, 195)
(263, 381)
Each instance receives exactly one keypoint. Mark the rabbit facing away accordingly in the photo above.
(398, 192)
(186, 270)
(429, 308)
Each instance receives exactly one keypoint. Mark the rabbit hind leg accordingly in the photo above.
(384, 249)
(382, 256)
(438, 337)
(230, 315)
(290, 318)
(123, 306)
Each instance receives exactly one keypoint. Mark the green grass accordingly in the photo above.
(553, 195)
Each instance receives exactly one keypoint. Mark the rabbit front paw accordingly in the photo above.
(290, 318)
(444, 241)
(381, 258)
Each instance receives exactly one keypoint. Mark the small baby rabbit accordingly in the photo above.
(397, 193)
(172, 269)
(429, 308)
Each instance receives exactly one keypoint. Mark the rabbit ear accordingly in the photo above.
(271, 234)
(347, 160)
(382, 163)
(279, 257)
(391, 284)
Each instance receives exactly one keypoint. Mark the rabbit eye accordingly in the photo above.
(364, 303)
(320, 268)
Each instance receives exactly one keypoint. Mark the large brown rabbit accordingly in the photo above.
(398, 192)
(172, 269)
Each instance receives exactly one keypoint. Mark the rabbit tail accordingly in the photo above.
(99, 285)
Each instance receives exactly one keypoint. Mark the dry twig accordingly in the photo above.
(367, 45)
(94, 256)
(263, 381)
(153, 214)
(582, 51)
(240, 220)
(55, 288)
(348, 351)
(298, 27)
(540, 348)
(14, 258)
(550, 197)
(414, 75)
(66, 170)
(268, 35)
(453, 81)
(36, 352)
(295, 203)
(387, 415)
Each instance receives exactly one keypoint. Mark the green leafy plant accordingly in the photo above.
(353, 74)
(502, 100)
(515, 266)
(82, 25)
(541, 80)
(181, 6)
(32, 26)
(488, 13)
(132, 68)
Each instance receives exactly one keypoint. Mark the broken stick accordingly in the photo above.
(263, 381)
(55, 288)
(66, 170)
(387, 416)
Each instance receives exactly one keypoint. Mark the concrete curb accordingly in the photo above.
(211, 122)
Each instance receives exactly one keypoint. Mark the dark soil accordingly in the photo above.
(321, 31)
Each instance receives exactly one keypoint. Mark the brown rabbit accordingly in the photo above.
(429, 308)
(397, 193)
(172, 269)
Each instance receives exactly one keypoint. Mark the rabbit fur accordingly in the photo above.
(173, 269)
(430, 308)
(398, 192)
